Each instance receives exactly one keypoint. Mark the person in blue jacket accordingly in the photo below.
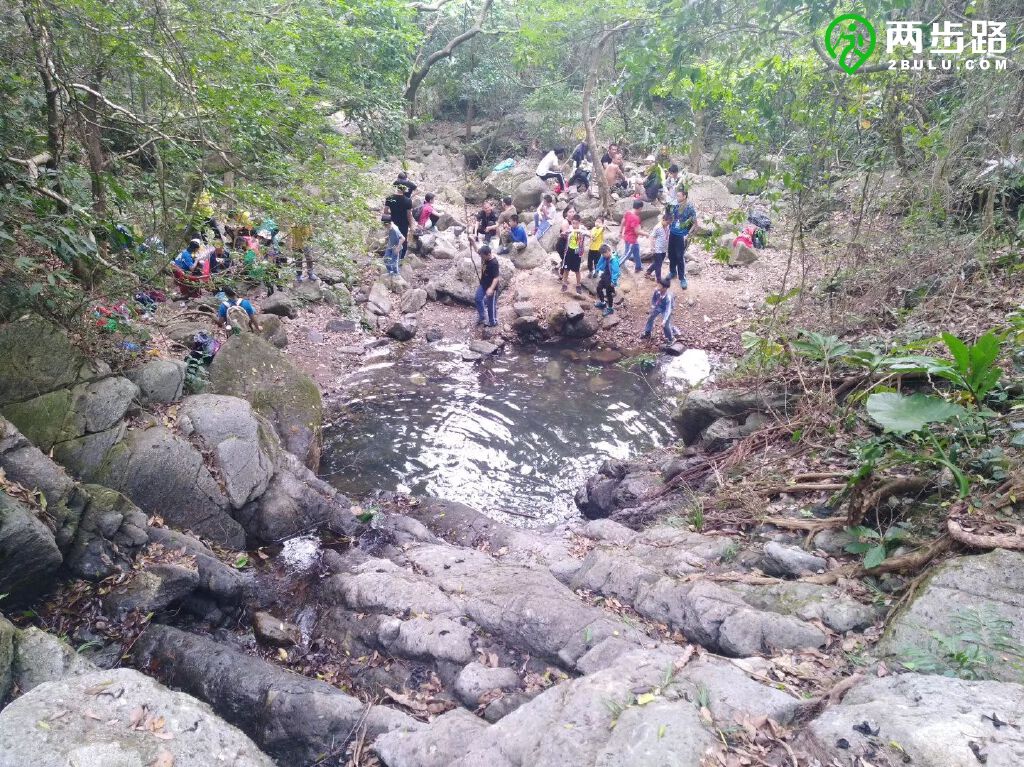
(608, 268)
(662, 303)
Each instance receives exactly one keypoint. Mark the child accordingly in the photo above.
(631, 234)
(659, 246)
(542, 217)
(514, 235)
(608, 267)
(662, 304)
(425, 220)
(563, 231)
(395, 242)
(596, 241)
(573, 254)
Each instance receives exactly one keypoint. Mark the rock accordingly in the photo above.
(40, 657)
(402, 329)
(475, 680)
(164, 475)
(571, 321)
(530, 257)
(29, 557)
(527, 195)
(111, 532)
(584, 328)
(242, 447)
(281, 304)
(789, 561)
(249, 367)
(218, 581)
(605, 356)
(935, 721)
(159, 381)
(448, 735)
(956, 597)
(379, 299)
(746, 181)
(482, 347)
(295, 719)
(274, 631)
(701, 408)
(433, 640)
(460, 282)
(720, 434)
(648, 212)
(7, 634)
(434, 334)
(38, 358)
(742, 255)
(341, 326)
(530, 329)
(611, 321)
(413, 300)
(150, 590)
(708, 192)
(573, 311)
(471, 356)
(523, 308)
(399, 283)
(91, 720)
(273, 330)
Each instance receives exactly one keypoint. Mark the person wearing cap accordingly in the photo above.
(187, 268)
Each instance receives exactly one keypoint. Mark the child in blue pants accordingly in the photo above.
(662, 304)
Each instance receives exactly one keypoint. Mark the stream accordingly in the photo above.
(513, 435)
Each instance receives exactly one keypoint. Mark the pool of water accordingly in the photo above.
(513, 435)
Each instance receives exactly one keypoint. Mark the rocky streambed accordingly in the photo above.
(221, 604)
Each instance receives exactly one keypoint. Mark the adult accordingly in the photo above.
(302, 251)
(487, 290)
(613, 174)
(188, 270)
(654, 179)
(579, 154)
(609, 155)
(507, 211)
(403, 180)
(399, 205)
(486, 221)
(550, 167)
(684, 218)
(236, 313)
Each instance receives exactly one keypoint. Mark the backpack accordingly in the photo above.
(237, 317)
(760, 219)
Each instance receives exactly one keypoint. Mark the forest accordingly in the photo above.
(278, 501)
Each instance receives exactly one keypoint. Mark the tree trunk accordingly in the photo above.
(591, 130)
(697, 145)
(42, 47)
(92, 139)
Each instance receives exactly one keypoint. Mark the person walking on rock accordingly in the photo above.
(487, 290)
(631, 234)
(573, 254)
(659, 246)
(662, 304)
(399, 205)
(608, 268)
(684, 218)
(395, 243)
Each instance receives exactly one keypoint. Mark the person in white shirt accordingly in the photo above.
(550, 167)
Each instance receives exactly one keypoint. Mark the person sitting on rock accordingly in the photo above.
(550, 167)
(514, 236)
(608, 268)
(236, 314)
(425, 218)
(220, 259)
(613, 174)
(188, 270)
(487, 290)
(486, 222)
(662, 304)
(543, 215)
(507, 211)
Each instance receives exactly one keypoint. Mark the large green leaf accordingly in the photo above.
(902, 415)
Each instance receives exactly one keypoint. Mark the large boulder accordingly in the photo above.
(242, 445)
(527, 195)
(165, 475)
(460, 282)
(29, 557)
(932, 721)
(379, 301)
(118, 718)
(413, 300)
(975, 595)
(707, 192)
(249, 367)
(159, 381)
(38, 357)
(621, 207)
(40, 658)
(571, 321)
(530, 257)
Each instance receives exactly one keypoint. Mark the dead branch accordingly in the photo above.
(807, 487)
(915, 560)
(811, 525)
(1010, 541)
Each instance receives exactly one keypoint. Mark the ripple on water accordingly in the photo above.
(501, 435)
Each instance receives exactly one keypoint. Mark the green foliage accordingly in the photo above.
(873, 545)
(983, 640)
(904, 414)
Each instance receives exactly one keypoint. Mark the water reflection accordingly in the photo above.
(514, 435)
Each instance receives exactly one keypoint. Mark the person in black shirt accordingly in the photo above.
(486, 221)
(487, 291)
(400, 206)
(403, 180)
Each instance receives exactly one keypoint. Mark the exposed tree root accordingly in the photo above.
(913, 561)
(811, 525)
(862, 501)
(814, 487)
(1010, 541)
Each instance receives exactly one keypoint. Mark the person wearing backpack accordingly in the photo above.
(235, 313)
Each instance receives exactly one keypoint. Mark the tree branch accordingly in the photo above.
(418, 74)
(833, 64)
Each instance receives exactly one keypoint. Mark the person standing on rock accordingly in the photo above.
(403, 180)
(662, 303)
(299, 236)
(573, 254)
(395, 242)
(631, 235)
(659, 246)
(596, 241)
(399, 205)
(608, 268)
(684, 218)
(487, 290)
(550, 167)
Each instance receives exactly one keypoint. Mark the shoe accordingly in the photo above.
(491, 324)
(579, 290)
(564, 287)
(480, 322)
(312, 277)
(645, 336)
(608, 311)
(600, 305)
(298, 280)
(682, 283)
